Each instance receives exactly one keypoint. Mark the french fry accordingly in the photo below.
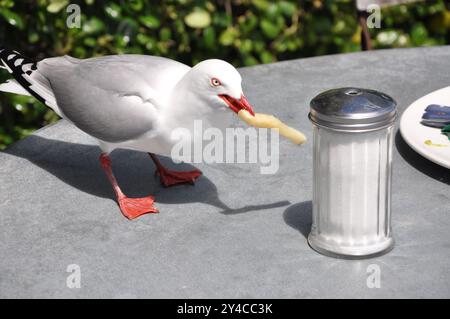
(270, 121)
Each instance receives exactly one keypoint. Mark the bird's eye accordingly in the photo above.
(215, 82)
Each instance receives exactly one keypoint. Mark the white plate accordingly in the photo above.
(415, 134)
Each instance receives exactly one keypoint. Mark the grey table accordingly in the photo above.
(237, 233)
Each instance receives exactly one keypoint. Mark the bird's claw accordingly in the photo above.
(170, 178)
(132, 208)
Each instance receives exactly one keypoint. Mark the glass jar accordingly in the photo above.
(353, 132)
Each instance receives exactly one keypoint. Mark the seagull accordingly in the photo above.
(132, 102)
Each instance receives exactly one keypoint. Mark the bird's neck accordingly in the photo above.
(187, 105)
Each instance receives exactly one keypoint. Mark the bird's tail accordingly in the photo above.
(27, 79)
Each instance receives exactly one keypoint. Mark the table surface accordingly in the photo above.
(223, 238)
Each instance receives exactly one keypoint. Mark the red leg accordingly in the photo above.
(171, 178)
(131, 208)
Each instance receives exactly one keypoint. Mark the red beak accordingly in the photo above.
(236, 105)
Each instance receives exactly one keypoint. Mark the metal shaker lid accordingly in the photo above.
(353, 109)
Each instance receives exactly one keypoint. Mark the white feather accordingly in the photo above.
(11, 86)
(5, 66)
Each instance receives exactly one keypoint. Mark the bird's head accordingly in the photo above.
(220, 83)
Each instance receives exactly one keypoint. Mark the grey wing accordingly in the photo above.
(110, 98)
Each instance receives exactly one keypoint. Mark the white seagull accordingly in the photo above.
(132, 102)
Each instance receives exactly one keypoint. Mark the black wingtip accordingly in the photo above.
(10, 56)
(4, 48)
(21, 69)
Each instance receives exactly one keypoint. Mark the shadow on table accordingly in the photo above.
(420, 163)
(78, 166)
(299, 216)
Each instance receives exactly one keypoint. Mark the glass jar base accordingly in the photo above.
(350, 252)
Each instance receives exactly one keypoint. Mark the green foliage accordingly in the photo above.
(243, 32)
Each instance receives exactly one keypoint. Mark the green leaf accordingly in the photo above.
(94, 25)
(57, 5)
(248, 22)
(7, 3)
(150, 21)
(127, 26)
(262, 5)
(104, 40)
(287, 8)
(90, 42)
(246, 45)
(280, 46)
(12, 18)
(270, 30)
(33, 37)
(113, 10)
(228, 36)
(267, 57)
(387, 38)
(165, 34)
(419, 34)
(198, 19)
(136, 5)
(149, 43)
(209, 36)
(446, 131)
(142, 38)
(259, 45)
(272, 11)
(250, 60)
(339, 27)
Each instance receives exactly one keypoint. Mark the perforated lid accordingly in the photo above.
(353, 109)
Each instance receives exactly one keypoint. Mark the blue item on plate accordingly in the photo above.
(436, 116)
